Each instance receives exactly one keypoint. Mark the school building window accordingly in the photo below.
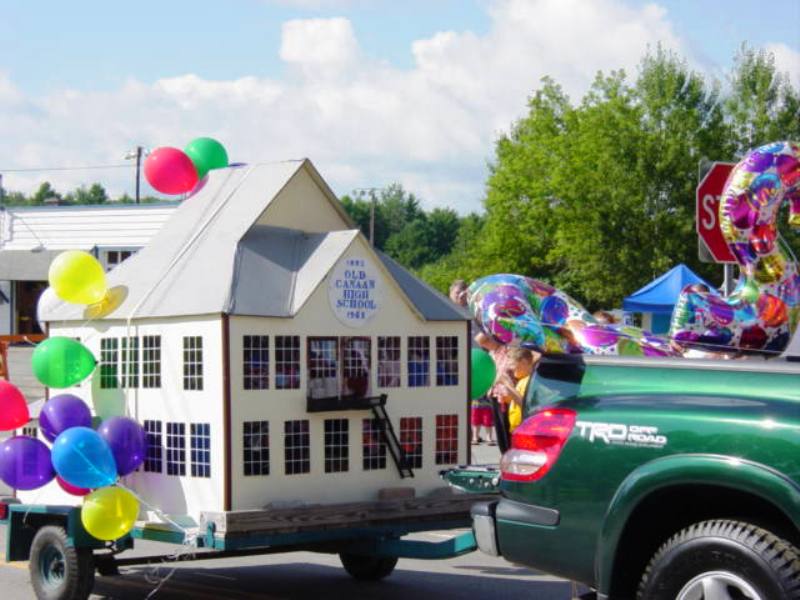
(338, 366)
(356, 367)
(419, 361)
(193, 362)
(447, 360)
(389, 361)
(151, 361)
(130, 362)
(256, 362)
(287, 362)
(337, 445)
(446, 439)
(109, 355)
(154, 454)
(373, 448)
(176, 449)
(411, 440)
(322, 354)
(256, 448)
(201, 449)
(296, 447)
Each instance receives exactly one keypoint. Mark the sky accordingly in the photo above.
(372, 91)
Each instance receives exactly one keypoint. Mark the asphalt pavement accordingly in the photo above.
(304, 575)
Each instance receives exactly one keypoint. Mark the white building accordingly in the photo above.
(254, 329)
(31, 237)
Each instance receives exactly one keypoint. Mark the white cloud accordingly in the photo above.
(787, 61)
(362, 121)
(318, 43)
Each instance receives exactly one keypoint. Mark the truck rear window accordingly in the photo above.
(556, 379)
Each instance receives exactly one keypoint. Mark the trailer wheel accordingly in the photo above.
(58, 570)
(368, 568)
(723, 559)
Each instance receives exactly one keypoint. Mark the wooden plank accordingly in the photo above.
(338, 516)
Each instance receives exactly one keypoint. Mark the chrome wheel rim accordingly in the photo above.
(718, 585)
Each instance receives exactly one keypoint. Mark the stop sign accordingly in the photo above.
(707, 213)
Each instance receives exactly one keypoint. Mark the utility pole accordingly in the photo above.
(137, 154)
(138, 170)
(373, 199)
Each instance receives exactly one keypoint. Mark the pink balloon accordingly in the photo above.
(13, 408)
(71, 489)
(170, 171)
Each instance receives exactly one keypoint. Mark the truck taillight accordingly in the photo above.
(536, 444)
(3, 511)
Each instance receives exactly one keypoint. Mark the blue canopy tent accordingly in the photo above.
(657, 299)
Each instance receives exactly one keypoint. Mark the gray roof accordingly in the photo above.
(294, 263)
(211, 257)
(431, 304)
(26, 265)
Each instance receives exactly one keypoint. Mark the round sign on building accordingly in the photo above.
(355, 291)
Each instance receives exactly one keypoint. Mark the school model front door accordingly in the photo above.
(26, 298)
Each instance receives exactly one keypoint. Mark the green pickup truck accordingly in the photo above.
(656, 479)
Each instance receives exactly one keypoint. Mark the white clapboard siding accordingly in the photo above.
(64, 227)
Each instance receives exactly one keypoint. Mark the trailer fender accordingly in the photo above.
(25, 520)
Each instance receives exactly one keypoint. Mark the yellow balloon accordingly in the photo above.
(109, 513)
(78, 277)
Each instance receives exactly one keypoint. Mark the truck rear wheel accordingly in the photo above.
(368, 568)
(722, 559)
(58, 570)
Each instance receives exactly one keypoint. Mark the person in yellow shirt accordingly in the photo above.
(523, 362)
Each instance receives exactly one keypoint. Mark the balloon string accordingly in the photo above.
(32, 504)
(187, 547)
(94, 469)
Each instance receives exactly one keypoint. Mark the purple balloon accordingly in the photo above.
(61, 412)
(25, 463)
(598, 336)
(554, 311)
(127, 441)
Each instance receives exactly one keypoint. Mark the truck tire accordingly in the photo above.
(368, 568)
(730, 558)
(58, 570)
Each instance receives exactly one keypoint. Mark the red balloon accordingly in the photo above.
(170, 171)
(13, 408)
(71, 489)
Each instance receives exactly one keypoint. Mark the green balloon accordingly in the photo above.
(483, 373)
(61, 362)
(206, 154)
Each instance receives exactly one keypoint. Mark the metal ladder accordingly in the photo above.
(390, 438)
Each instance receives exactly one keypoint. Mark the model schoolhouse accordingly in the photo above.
(272, 355)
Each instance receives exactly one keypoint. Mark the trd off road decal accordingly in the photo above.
(620, 434)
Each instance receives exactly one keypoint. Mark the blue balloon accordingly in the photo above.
(82, 458)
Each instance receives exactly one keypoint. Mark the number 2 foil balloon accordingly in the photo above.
(764, 309)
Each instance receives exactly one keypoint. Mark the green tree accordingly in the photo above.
(44, 192)
(521, 193)
(95, 194)
(15, 199)
(763, 106)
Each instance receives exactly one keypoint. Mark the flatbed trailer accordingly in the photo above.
(368, 537)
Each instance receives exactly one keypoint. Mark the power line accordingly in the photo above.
(84, 168)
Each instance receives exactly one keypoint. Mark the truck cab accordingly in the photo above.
(656, 478)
